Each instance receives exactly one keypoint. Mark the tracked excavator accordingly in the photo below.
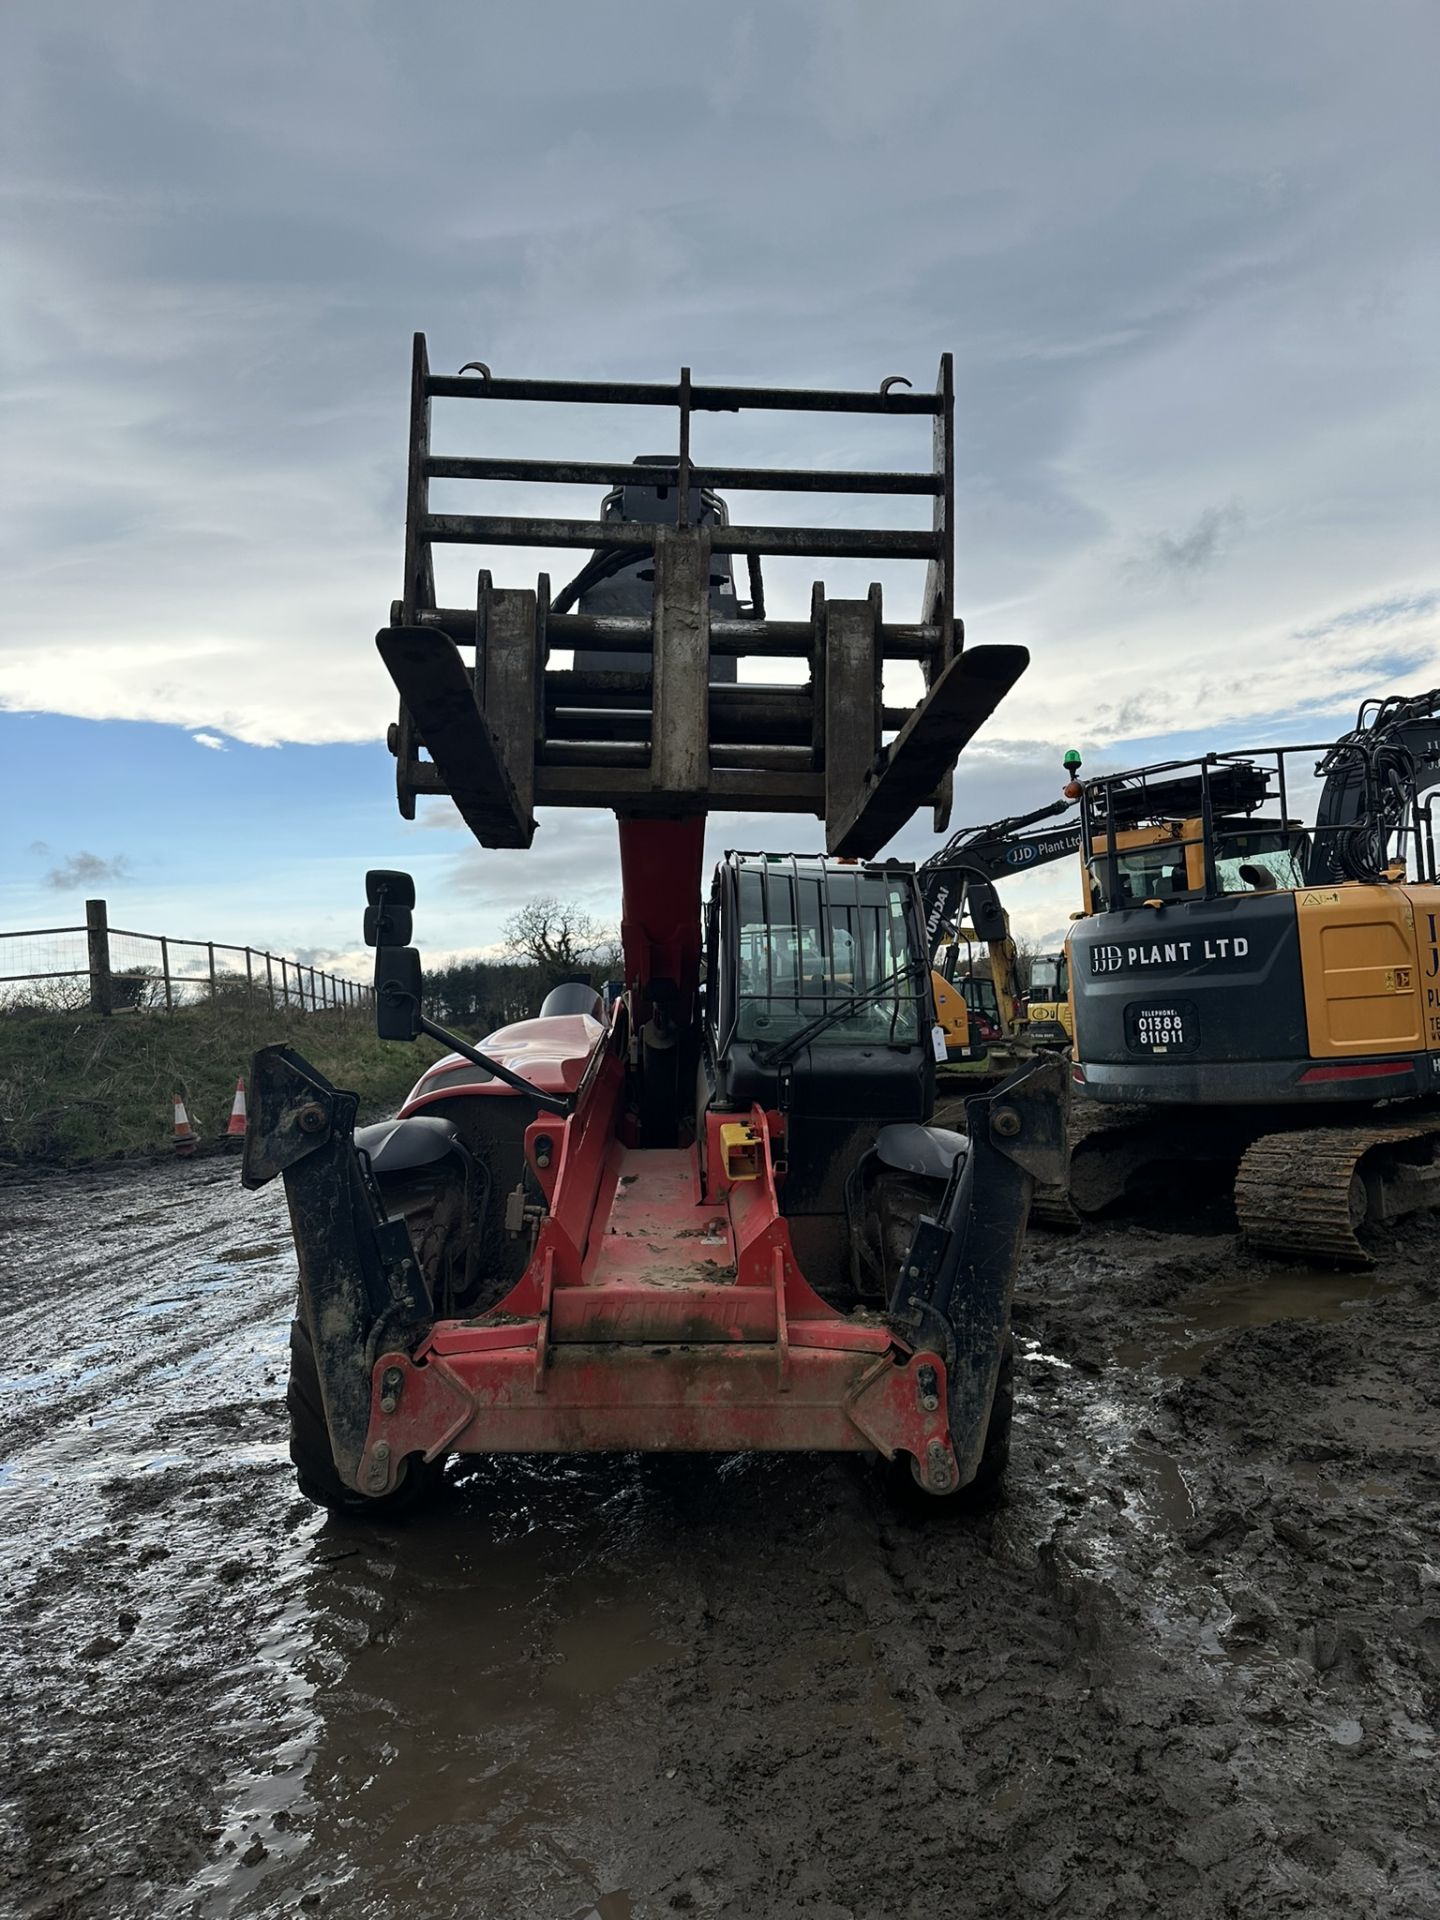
(963, 908)
(1256, 983)
(715, 1214)
(1048, 1017)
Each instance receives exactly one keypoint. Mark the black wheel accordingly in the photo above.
(315, 1463)
(987, 1489)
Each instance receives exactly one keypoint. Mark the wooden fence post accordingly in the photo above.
(165, 971)
(97, 941)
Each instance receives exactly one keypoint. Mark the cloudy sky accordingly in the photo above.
(1185, 256)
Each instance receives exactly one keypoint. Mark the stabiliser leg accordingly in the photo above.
(955, 1286)
(361, 1291)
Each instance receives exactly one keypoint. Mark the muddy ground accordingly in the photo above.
(1191, 1669)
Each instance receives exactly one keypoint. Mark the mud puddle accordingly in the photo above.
(1192, 1667)
(1190, 1333)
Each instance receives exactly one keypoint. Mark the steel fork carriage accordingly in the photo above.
(504, 732)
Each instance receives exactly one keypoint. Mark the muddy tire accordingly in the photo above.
(987, 1489)
(314, 1462)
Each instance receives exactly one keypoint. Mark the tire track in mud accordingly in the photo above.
(1193, 1666)
(141, 1381)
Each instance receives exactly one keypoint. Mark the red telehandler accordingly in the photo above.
(712, 1215)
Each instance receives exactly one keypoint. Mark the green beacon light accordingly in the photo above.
(1071, 764)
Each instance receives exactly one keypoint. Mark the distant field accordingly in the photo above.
(75, 1088)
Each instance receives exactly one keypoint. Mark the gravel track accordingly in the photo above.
(1191, 1668)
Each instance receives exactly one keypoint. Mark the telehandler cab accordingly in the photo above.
(714, 1216)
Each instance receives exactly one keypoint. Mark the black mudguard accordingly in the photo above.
(954, 1289)
(361, 1290)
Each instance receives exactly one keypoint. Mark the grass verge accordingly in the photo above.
(75, 1088)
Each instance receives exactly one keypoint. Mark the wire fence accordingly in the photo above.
(114, 970)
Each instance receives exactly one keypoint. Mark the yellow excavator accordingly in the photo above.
(966, 1040)
(981, 1006)
(1049, 1020)
(1256, 982)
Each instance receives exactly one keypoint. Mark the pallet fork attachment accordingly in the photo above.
(503, 731)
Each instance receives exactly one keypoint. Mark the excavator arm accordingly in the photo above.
(957, 890)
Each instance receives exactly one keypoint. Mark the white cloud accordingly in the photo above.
(1183, 261)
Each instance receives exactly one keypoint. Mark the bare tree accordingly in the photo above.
(557, 936)
(1026, 948)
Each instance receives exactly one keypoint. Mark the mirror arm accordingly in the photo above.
(552, 1102)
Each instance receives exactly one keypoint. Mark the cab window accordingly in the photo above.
(1047, 977)
(808, 945)
(1259, 862)
(1142, 873)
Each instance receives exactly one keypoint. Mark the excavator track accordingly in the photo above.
(1050, 1204)
(1305, 1193)
(1052, 1207)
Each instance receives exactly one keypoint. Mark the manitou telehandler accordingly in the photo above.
(712, 1216)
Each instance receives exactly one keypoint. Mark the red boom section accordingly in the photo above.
(662, 1308)
(660, 866)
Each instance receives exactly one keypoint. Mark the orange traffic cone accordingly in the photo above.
(186, 1138)
(236, 1128)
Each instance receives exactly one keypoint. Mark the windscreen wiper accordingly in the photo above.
(775, 1052)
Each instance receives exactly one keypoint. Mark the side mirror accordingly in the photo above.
(397, 992)
(382, 886)
(387, 917)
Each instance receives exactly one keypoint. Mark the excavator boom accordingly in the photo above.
(958, 891)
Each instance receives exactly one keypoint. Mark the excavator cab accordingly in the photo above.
(709, 1210)
(1047, 1015)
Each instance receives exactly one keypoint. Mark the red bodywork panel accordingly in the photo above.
(551, 1053)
